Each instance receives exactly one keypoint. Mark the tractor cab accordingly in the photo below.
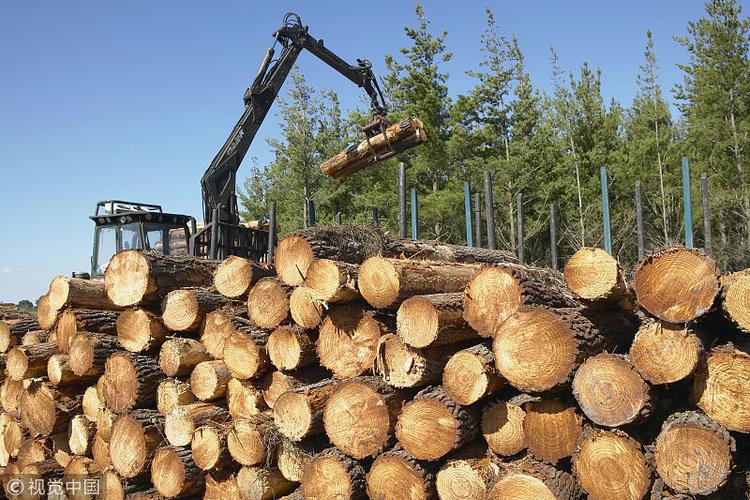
(125, 225)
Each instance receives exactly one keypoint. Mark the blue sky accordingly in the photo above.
(131, 100)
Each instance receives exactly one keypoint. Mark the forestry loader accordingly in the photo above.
(121, 225)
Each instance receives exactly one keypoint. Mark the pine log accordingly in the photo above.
(59, 372)
(395, 137)
(10, 395)
(432, 425)
(245, 353)
(502, 427)
(173, 392)
(45, 410)
(11, 331)
(47, 471)
(528, 479)
(173, 473)
(135, 438)
(268, 303)
(76, 292)
(465, 478)
(218, 328)
(495, 294)
(298, 413)
(597, 279)
(209, 446)
(676, 285)
(181, 421)
(184, 310)
(385, 282)
(611, 464)
(80, 435)
(222, 484)
(91, 404)
(445, 252)
(348, 243)
(32, 451)
(130, 381)
(276, 383)
(88, 353)
(178, 356)
(209, 380)
(45, 314)
(291, 347)
(293, 456)
(735, 296)
(331, 474)
(332, 282)
(11, 438)
(235, 276)
(402, 366)
(470, 375)
(396, 474)
(552, 428)
(693, 454)
(257, 483)
(664, 353)
(100, 453)
(305, 309)
(139, 330)
(348, 340)
(104, 423)
(720, 388)
(29, 361)
(431, 320)
(244, 398)
(73, 321)
(247, 439)
(34, 337)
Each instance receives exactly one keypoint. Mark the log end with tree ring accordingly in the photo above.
(181, 311)
(80, 434)
(289, 348)
(427, 429)
(470, 374)
(610, 464)
(721, 389)
(520, 486)
(244, 398)
(168, 474)
(593, 274)
(6, 339)
(535, 350)
(137, 328)
(233, 277)
(396, 476)
(207, 446)
(464, 479)
(120, 386)
(179, 422)
(209, 380)
(348, 340)
(128, 449)
(676, 285)
(58, 292)
(379, 282)
(502, 428)
(417, 322)
(217, 329)
(16, 363)
(326, 279)
(268, 303)
(59, 370)
(693, 454)
(736, 300)
(331, 474)
(306, 310)
(664, 353)
(292, 258)
(490, 298)
(552, 429)
(261, 483)
(610, 391)
(45, 313)
(37, 408)
(11, 438)
(243, 357)
(178, 356)
(127, 278)
(173, 392)
(91, 403)
(293, 415)
(246, 442)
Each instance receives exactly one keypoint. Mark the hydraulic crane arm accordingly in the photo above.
(219, 182)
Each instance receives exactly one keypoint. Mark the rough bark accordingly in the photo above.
(82, 293)
(445, 252)
(73, 321)
(12, 330)
(130, 381)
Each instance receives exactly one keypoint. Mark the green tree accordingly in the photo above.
(25, 305)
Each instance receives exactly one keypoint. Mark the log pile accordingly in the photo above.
(465, 375)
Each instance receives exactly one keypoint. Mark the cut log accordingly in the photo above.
(88, 353)
(91, 404)
(552, 428)
(396, 474)
(134, 276)
(331, 474)
(292, 457)
(432, 425)
(360, 416)
(348, 243)
(235, 276)
(10, 395)
(59, 372)
(135, 438)
(34, 337)
(332, 282)
(291, 347)
(348, 340)
(445, 252)
(29, 361)
(245, 353)
(385, 282)
(73, 321)
(209, 380)
(528, 479)
(139, 330)
(395, 137)
(611, 464)
(244, 398)
(11, 331)
(218, 328)
(181, 421)
(173, 473)
(268, 303)
(470, 375)
(465, 479)
(402, 366)
(431, 320)
(76, 292)
(502, 427)
(298, 413)
(209, 446)
(276, 383)
(173, 392)
(496, 293)
(104, 422)
(46, 411)
(11, 439)
(221, 484)
(720, 387)
(32, 451)
(130, 381)
(676, 285)
(247, 438)
(178, 356)
(664, 353)
(595, 277)
(256, 483)
(80, 435)
(693, 454)
(305, 309)
(183, 310)
(45, 314)
(610, 392)
(735, 297)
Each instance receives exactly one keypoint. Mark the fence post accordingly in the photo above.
(338, 217)
(489, 210)
(467, 214)
(519, 210)
(376, 217)
(414, 215)
(706, 215)
(687, 203)
(402, 200)
(553, 235)
(605, 210)
(477, 221)
(311, 211)
(639, 218)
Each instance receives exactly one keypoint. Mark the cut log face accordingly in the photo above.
(735, 295)
(693, 454)
(130, 381)
(208, 446)
(181, 421)
(331, 474)
(502, 428)
(268, 303)
(594, 275)
(29, 361)
(173, 392)
(258, 483)
(91, 403)
(676, 285)
(80, 435)
(235, 276)
(217, 329)
(11, 439)
(174, 473)
(245, 353)
(552, 429)
(45, 313)
(332, 282)
(396, 474)
(178, 356)
(276, 383)
(306, 310)
(403, 366)
(527, 479)
(610, 464)
(135, 438)
(721, 390)
(45, 411)
(75, 292)
(430, 320)
(88, 353)
(610, 392)
(465, 479)
(298, 413)
(470, 375)
(664, 353)
(244, 398)
(292, 457)
(139, 330)
(291, 347)
(348, 340)
(184, 310)
(73, 321)
(209, 380)
(247, 439)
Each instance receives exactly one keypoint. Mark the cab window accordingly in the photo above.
(131, 236)
(106, 247)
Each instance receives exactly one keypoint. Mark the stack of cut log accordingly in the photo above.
(361, 366)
